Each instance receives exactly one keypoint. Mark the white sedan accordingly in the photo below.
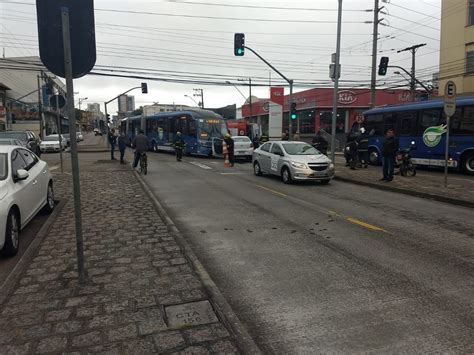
(51, 143)
(26, 186)
(243, 147)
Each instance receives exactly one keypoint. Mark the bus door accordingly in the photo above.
(407, 131)
(426, 143)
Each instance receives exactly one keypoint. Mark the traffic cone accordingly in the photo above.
(225, 151)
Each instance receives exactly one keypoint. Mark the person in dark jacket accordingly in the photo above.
(230, 147)
(363, 148)
(389, 151)
(352, 154)
(179, 146)
(122, 144)
(140, 143)
(256, 141)
(285, 136)
(320, 143)
(113, 141)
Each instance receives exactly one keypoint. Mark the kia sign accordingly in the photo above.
(347, 97)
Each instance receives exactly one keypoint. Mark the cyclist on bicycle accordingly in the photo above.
(140, 143)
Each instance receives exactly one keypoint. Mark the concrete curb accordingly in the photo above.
(426, 195)
(15, 275)
(245, 342)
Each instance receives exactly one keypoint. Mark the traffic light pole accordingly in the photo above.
(290, 130)
(108, 102)
(374, 54)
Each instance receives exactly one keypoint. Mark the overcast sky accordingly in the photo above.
(184, 40)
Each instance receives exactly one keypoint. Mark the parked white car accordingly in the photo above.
(243, 147)
(51, 143)
(293, 161)
(26, 186)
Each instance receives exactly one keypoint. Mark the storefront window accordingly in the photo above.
(326, 121)
(307, 121)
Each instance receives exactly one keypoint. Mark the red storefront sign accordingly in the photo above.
(321, 98)
(277, 95)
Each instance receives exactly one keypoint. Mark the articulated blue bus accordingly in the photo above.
(424, 123)
(202, 130)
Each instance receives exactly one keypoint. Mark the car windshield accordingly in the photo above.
(3, 166)
(14, 135)
(241, 139)
(299, 149)
(51, 139)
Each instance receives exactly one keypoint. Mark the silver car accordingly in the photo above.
(292, 161)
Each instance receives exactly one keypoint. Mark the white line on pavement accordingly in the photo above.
(202, 166)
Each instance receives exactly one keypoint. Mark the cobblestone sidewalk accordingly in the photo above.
(135, 269)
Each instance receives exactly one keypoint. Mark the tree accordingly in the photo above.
(138, 111)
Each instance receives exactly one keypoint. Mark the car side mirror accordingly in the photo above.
(21, 174)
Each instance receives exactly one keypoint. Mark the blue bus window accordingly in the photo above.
(463, 124)
(429, 118)
(390, 122)
(407, 123)
(374, 125)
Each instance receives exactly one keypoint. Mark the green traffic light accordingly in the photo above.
(293, 116)
(239, 50)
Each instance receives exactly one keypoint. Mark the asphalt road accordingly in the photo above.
(337, 268)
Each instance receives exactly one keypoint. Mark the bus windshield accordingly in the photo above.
(211, 128)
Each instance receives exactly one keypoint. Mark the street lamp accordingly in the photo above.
(190, 97)
(80, 101)
(236, 88)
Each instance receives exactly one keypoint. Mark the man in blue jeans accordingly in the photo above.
(389, 151)
(140, 143)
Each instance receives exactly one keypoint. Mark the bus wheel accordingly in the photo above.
(468, 163)
(374, 157)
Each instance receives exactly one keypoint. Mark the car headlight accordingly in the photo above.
(298, 165)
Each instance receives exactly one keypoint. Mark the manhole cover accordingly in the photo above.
(190, 314)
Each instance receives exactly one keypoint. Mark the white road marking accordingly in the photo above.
(202, 166)
(54, 167)
(231, 173)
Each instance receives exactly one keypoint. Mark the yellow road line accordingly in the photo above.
(366, 225)
(273, 191)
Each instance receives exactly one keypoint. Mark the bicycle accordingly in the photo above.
(143, 163)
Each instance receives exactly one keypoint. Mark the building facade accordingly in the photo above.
(457, 45)
(26, 101)
(149, 110)
(126, 103)
(314, 108)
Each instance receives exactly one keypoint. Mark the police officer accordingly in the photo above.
(363, 148)
(230, 147)
(179, 146)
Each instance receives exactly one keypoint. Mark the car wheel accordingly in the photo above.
(12, 235)
(325, 182)
(286, 175)
(374, 157)
(49, 207)
(468, 163)
(256, 169)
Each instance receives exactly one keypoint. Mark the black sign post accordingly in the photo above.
(66, 30)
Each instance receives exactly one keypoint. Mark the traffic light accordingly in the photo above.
(144, 88)
(293, 114)
(383, 65)
(239, 44)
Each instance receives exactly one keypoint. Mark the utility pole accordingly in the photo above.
(374, 53)
(250, 105)
(336, 81)
(412, 49)
(200, 93)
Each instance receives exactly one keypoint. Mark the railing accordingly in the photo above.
(327, 136)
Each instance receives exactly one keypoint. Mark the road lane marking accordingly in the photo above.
(54, 167)
(231, 173)
(272, 191)
(200, 165)
(334, 213)
(366, 225)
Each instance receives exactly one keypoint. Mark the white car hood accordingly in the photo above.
(3, 189)
(305, 159)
